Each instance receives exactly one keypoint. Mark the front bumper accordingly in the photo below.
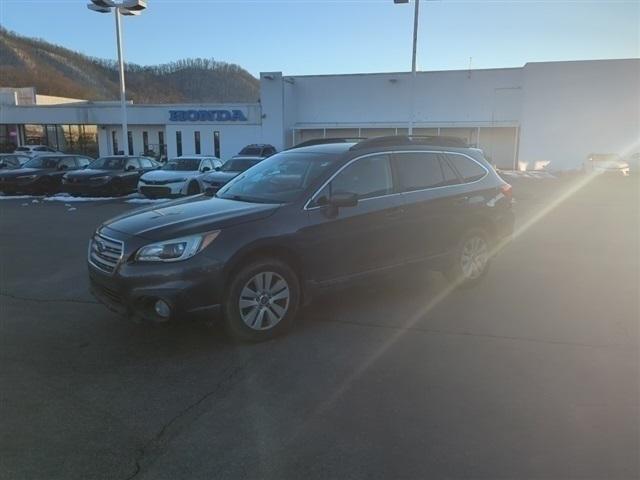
(13, 187)
(89, 189)
(161, 191)
(194, 286)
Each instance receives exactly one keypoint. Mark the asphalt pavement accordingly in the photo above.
(532, 374)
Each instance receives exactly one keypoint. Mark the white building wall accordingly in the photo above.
(572, 109)
(487, 97)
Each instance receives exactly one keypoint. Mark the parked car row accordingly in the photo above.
(50, 173)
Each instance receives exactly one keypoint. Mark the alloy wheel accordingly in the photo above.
(474, 258)
(264, 300)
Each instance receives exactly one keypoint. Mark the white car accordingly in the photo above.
(34, 150)
(179, 176)
(606, 163)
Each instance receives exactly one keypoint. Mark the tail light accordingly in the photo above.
(507, 191)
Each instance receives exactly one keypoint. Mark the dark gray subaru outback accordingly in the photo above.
(302, 220)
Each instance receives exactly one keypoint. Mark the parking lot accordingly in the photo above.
(532, 374)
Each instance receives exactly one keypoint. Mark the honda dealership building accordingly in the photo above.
(554, 113)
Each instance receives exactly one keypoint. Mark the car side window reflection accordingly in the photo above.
(367, 177)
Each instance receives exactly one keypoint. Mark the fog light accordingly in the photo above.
(162, 309)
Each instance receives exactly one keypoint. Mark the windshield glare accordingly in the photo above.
(42, 162)
(107, 163)
(279, 179)
(182, 164)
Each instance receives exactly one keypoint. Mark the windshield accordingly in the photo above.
(108, 163)
(279, 179)
(239, 164)
(182, 164)
(22, 149)
(42, 162)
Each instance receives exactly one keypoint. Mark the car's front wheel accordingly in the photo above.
(470, 260)
(262, 300)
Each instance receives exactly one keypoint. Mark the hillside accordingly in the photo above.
(54, 70)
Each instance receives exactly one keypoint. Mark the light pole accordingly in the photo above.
(124, 7)
(416, 13)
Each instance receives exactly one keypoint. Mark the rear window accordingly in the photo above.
(469, 170)
(417, 171)
(257, 151)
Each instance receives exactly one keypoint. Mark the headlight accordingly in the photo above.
(176, 249)
(102, 179)
(176, 180)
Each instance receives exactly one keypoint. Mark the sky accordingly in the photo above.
(305, 37)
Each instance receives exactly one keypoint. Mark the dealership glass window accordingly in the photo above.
(179, 143)
(35, 135)
(8, 138)
(216, 144)
(145, 142)
(130, 142)
(114, 142)
(417, 171)
(196, 137)
(161, 143)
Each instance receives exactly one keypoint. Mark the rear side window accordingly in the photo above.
(132, 162)
(146, 163)
(420, 170)
(83, 161)
(468, 169)
(367, 177)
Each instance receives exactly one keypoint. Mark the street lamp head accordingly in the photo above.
(102, 3)
(129, 13)
(134, 5)
(98, 9)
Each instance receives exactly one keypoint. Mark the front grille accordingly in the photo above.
(156, 182)
(155, 191)
(105, 253)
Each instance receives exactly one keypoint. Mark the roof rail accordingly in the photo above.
(324, 141)
(393, 140)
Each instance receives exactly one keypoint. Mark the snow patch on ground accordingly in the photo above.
(529, 174)
(147, 200)
(16, 197)
(62, 197)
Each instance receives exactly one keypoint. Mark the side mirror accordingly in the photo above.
(130, 168)
(210, 191)
(340, 200)
(205, 169)
(217, 169)
(337, 201)
(63, 167)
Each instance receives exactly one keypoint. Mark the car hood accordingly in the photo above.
(220, 176)
(18, 172)
(90, 172)
(169, 175)
(187, 216)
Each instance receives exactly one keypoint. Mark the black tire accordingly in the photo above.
(456, 273)
(235, 319)
(193, 188)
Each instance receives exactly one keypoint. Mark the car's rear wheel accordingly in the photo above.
(470, 261)
(193, 188)
(262, 300)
